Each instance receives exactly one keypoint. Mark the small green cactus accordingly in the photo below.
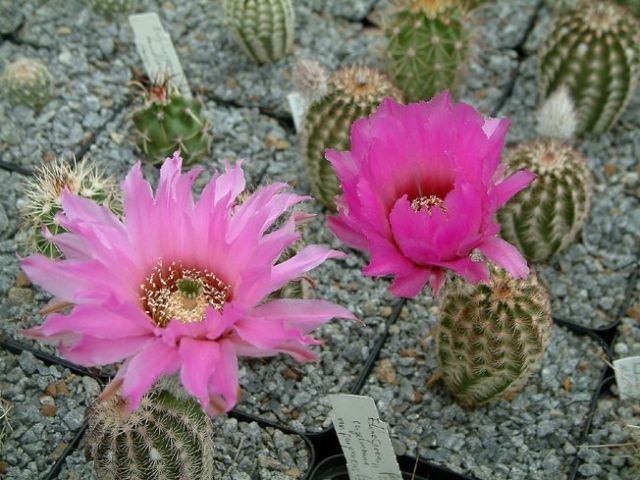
(27, 82)
(264, 28)
(111, 9)
(492, 336)
(427, 47)
(592, 50)
(167, 437)
(167, 122)
(43, 199)
(351, 93)
(545, 218)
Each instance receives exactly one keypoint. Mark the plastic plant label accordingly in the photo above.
(364, 439)
(157, 51)
(628, 377)
(297, 105)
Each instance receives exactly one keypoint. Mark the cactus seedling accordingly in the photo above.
(427, 47)
(351, 93)
(27, 82)
(592, 50)
(44, 194)
(168, 122)
(492, 336)
(166, 438)
(264, 28)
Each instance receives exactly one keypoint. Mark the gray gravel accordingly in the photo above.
(243, 451)
(613, 424)
(48, 407)
(532, 437)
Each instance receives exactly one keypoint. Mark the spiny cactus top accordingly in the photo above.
(179, 285)
(167, 438)
(264, 28)
(427, 47)
(492, 336)
(351, 93)
(168, 122)
(593, 50)
(111, 9)
(27, 82)
(545, 218)
(421, 193)
(44, 199)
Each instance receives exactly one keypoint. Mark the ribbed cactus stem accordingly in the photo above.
(27, 82)
(427, 47)
(169, 122)
(264, 28)
(545, 218)
(166, 438)
(44, 199)
(592, 50)
(351, 94)
(491, 337)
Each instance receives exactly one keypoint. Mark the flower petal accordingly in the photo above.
(505, 255)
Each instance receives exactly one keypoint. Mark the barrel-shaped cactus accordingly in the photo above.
(350, 94)
(111, 9)
(264, 28)
(27, 82)
(427, 47)
(491, 337)
(168, 122)
(592, 50)
(166, 438)
(43, 195)
(546, 217)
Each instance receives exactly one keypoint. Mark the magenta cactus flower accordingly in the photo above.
(422, 185)
(180, 285)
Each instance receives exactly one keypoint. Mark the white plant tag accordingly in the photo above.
(157, 51)
(628, 377)
(297, 105)
(364, 439)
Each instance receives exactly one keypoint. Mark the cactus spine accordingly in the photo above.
(427, 47)
(546, 217)
(165, 438)
(113, 8)
(491, 336)
(592, 50)
(351, 93)
(44, 199)
(264, 28)
(27, 82)
(169, 121)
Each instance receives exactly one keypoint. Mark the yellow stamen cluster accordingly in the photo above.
(175, 292)
(422, 203)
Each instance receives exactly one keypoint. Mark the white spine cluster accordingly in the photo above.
(557, 116)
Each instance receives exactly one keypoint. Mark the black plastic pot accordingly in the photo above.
(335, 468)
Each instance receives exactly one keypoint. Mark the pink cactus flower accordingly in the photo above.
(422, 184)
(180, 285)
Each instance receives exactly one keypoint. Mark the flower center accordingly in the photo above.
(176, 292)
(427, 203)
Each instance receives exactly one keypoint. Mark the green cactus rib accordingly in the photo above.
(545, 218)
(264, 28)
(353, 93)
(111, 9)
(27, 82)
(166, 438)
(426, 53)
(165, 127)
(491, 337)
(593, 51)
